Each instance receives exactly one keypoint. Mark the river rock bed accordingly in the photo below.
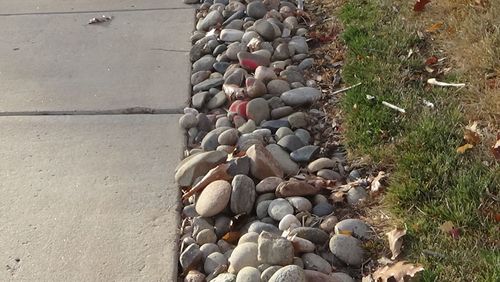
(261, 196)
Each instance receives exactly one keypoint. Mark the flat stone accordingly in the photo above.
(296, 188)
(298, 120)
(321, 163)
(268, 184)
(356, 195)
(316, 263)
(213, 261)
(329, 174)
(290, 143)
(300, 203)
(199, 76)
(217, 101)
(302, 245)
(305, 154)
(288, 166)
(207, 84)
(258, 227)
(347, 248)
(242, 195)
(273, 125)
(288, 221)
(205, 63)
(279, 208)
(265, 29)
(322, 209)
(274, 249)
(262, 163)
(315, 235)
(231, 35)
(228, 137)
(281, 112)
(300, 96)
(213, 18)
(256, 9)
(261, 209)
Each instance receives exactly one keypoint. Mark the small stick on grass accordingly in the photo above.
(345, 89)
(433, 81)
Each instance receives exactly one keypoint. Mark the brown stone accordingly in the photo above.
(262, 163)
(296, 188)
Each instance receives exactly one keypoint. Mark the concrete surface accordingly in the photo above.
(60, 63)
(88, 198)
(64, 6)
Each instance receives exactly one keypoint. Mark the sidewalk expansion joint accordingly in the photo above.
(128, 111)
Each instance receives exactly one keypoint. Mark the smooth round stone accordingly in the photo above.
(307, 63)
(205, 63)
(299, 45)
(248, 274)
(213, 18)
(298, 120)
(329, 223)
(291, 143)
(288, 166)
(199, 99)
(304, 154)
(242, 195)
(291, 22)
(275, 102)
(231, 35)
(209, 248)
(300, 96)
(322, 209)
(278, 86)
(235, 24)
(265, 197)
(357, 227)
(219, 50)
(210, 141)
(188, 121)
(321, 163)
(300, 203)
(347, 248)
(281, 52)
(301, 32)
(281, 112)
(251, 237)
(189, 211)
(258, 110)
(263, 53)
(265, 29)
(266, 75)
(279, 208)
(206, 236)
(303, 135)
(205, 85)
(255, 88)
(233, 50)
(268, 184)
(302, 245)
(316, 263)
(247, 127)
(282, 132)
(224, 277)
(293, 77)
(228, 137)
(261, 209)
(243, 255)
(288, 221)
(289, 273)
(256, 9)
(315, 235)
(268, 272)
(214, 198)
(329, 174)
(252, 61)
(341, 277)
(190, 257)
(319, 199)
(199, 76)
(223, 122)
(239, 107)
(222, 225)
(356, 195)
(263, 132)
(258, 227)
(217, 101)
(213, 261)
(354, 174)
(221, 68)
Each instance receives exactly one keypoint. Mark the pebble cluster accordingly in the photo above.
(266, 217)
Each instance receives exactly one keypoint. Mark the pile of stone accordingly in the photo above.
(257, 205)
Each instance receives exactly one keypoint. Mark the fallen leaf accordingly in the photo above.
(420, 5)
(345, 232)
(495, 149)
(434, 27)
(431, 60)
(464, 148)
(396, 241)
(449, 228)
(375, 186)
(397, 271)
(232, 237)
(337, 197)
(101, 19)
(497, 217)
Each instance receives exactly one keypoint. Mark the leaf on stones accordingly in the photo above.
(345, 232)
(397, 271)
(376, 184)
(435, 27)
(396, 241)
(420, 5)
(232, 237)
(464, 148)
(337, 197)
(449, 228)
(495, 149)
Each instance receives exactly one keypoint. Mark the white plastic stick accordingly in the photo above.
(433, 81)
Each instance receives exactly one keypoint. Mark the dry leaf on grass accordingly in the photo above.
(435, 27)
(472, 134)
(376, 185)
(431, 60)
(449, 228)
(464, 148)
(420, 5)
(396, 241)
(495, 149)
(397, 271)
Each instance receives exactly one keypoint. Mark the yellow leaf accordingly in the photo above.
(435, 27)
(345, 232)
(447, 227)
(464, 148)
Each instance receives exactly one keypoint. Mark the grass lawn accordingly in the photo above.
(430, 182)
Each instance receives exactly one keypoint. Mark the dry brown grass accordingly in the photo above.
(470, 39)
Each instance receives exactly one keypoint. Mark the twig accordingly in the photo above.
(433, 81)
(394, 107)
(346, 89)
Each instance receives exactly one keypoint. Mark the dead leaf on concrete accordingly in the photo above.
(396, 241)
(397, 271)
(101, 19)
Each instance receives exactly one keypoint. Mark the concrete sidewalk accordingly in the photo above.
(90, 196)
